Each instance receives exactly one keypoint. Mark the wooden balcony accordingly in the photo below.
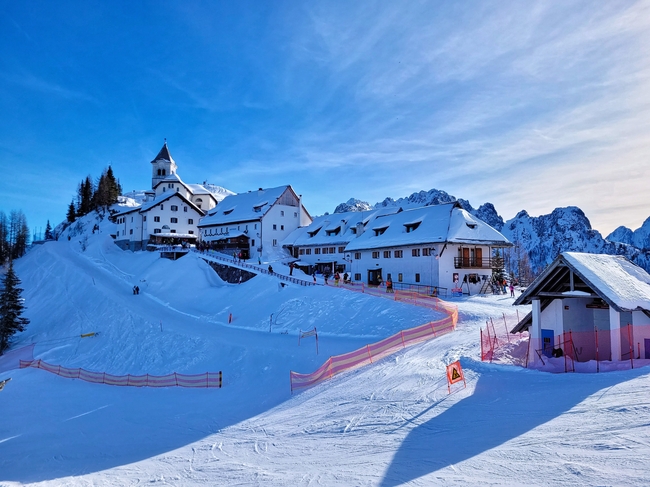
(471, 263)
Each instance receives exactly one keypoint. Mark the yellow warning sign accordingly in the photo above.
(454, 374)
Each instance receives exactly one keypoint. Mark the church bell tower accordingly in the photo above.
(162, 166)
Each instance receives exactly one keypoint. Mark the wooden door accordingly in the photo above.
(478, 253)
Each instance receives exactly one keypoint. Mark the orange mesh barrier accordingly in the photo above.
(373, 352)
(209, 379)
(499, 345)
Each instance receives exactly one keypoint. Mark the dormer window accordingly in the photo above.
(312, 234)
(334, 232)
(471, 225)
(411, 226)
(379, 231)
(228, 212)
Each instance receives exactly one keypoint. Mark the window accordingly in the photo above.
(131, 232)
(389, 276)
(415, 252)
(170, 185)
(375, 254)
(357, 277)
(275, 227)
(325, 250)
(173, 220)
(302, 251)
(399, 254)
(162, 207)
(144, 218)
(163, 172)
(253, 243)
(275, 242)
(198, 202)
(341, 250)
(317, 250)
(156, 218)
(131, 219)
(307, 251)
(411, 226)
(159, 172)
(357, 255)
(426, 252)
(190, 221)
(256, 226)
(386, 254)
(185, 209)
(282, 213)
(417, 277)
(156, 230)
(332, 250)
(400, 277)
(174, 208)
(281, 227)
(191, 232)
(172, 231)
(295, 214)
(380, 231)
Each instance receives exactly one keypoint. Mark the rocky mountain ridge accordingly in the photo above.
(541, 238)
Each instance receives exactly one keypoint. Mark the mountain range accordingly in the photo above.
(543, 237)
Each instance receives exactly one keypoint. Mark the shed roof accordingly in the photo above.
(613, 278)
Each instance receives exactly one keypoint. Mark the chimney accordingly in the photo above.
(360, 228)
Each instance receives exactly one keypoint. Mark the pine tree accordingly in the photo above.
(48, 231)
(18, 234)
(498, 271)
(11, 308)
(72, 212)
(4, 239)
(85, 197)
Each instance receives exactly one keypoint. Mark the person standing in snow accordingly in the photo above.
(512, 290)
(389, 285)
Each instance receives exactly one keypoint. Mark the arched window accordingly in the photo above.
(159, 172)
(163, 172)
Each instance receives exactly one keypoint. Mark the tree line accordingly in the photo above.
(93, 196)
(14, 236)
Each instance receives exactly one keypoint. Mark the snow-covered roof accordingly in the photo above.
(316, 232)
(622, 282)
(242, 207)
(160, 199)
(617, 281)
(426, 225)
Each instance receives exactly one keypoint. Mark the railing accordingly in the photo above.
(258, 268)
(472, 263)
(435, 291)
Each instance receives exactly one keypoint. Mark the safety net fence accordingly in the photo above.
(501, 346)
(208, 379)
(376, 351)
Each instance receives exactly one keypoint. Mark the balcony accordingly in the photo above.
(472, 263)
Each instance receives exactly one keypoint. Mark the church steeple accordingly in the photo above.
(163, 165)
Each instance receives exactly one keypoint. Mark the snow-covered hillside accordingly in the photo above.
(391, 423)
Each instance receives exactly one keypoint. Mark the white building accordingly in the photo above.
(439, 246)
(254, 223)
(588, 300)
(171, 210)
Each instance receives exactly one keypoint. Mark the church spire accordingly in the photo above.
(163, 165)
(164, 154)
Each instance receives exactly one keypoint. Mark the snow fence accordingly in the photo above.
(208, 379)
(376, 351)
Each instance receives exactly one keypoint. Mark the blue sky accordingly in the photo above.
(528, 105)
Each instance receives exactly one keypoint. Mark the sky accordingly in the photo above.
(527, 105)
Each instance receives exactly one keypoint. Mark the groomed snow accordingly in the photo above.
(388, 424)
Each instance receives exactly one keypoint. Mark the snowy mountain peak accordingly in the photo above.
(353, 204)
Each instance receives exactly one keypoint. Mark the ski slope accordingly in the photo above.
(388, 424)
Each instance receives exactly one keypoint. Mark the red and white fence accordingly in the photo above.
(208, 379)
(376, 351)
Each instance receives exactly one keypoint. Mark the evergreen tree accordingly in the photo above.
(48, 231)
(11, 308)
(114, 188)
(498, 271)
(5, 249)
(85, 197)
(72, 213)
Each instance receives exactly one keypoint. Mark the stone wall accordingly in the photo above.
(231, 274)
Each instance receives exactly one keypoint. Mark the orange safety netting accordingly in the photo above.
(209, 379)
(498, 344)
(372, 352)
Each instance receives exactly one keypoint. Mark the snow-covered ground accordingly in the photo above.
(388, 424)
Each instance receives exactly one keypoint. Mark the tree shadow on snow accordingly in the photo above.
(506, 403)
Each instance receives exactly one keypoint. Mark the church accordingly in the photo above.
(171, 210)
